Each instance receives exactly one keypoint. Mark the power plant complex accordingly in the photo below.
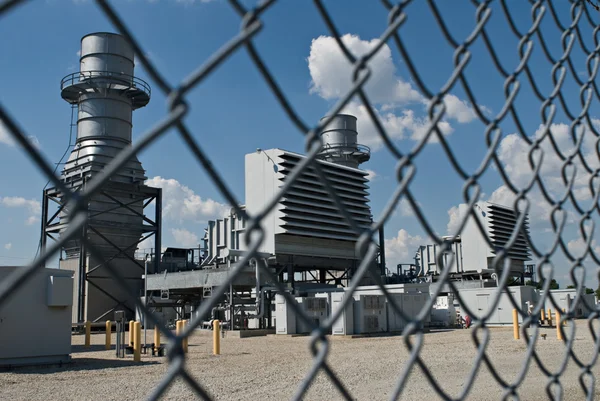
(308, 245)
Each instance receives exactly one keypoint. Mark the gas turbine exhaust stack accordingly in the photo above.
(340, 142)
(105, 92)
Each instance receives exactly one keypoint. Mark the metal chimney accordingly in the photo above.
(340, 142)
(106, 92)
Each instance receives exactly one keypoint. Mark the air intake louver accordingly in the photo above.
(502, 222)
(308, 209)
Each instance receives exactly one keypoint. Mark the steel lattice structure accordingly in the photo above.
(582, 12)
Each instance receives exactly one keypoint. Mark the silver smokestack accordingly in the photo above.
(106, 92)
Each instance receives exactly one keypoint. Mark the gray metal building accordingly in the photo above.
(43, 303)
(480, 301)
(567, 300)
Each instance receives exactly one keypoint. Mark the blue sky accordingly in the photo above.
(233, 112)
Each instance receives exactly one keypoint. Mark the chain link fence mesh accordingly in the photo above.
(582, 13)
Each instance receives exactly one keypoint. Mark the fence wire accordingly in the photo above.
(581, 13)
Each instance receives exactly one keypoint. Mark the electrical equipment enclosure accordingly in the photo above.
(370, 314)
(344, 325)
(480, 301)
(443, 312)
(565, 298)
(315, 308)
(44, 302)
(285, 317)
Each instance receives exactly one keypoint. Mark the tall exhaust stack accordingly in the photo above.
(340, 142)
(105, 92)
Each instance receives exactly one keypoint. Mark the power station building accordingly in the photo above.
(308, 245)
(471, 256)
(307, 242)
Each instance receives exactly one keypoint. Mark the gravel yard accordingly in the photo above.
(271, 368)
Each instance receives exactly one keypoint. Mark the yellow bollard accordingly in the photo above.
(516, 324)
(137, 341)
(184, 323)
(88, 333)
(564, 312)
(558, 332)
(156, 338)
(131, 333)
(543, 317)
(179, 329)
(549, 317)
(108, 334)
(216, 337)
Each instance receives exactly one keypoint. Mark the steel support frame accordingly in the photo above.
(50, 226)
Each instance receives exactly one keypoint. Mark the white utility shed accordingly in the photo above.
(480, 301)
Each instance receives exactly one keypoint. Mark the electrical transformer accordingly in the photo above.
(370, 314)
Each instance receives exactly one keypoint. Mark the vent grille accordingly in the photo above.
(502, 222)
(307, 208)
(373, 302)
(371, 323)
(316, 304)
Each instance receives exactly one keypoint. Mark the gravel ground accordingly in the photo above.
(272, 368)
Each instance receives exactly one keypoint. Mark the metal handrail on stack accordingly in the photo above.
(95, 76)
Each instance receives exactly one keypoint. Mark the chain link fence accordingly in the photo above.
(583, 13)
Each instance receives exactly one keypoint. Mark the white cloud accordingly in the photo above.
(31, 205)
(455, 217)
(185, 238)
(8, 246)
(331, 75)
(577, 247)
(7, 139)
(514, 154)
(405, 208)
(397, 127)
(371, 175)
(458, 109)
(180, 203)
(402, 248)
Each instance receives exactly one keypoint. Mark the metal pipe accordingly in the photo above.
(82, 280)
(158, 234)
(382, 251)
(146, 262)
(231, 307)
(209, 247)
